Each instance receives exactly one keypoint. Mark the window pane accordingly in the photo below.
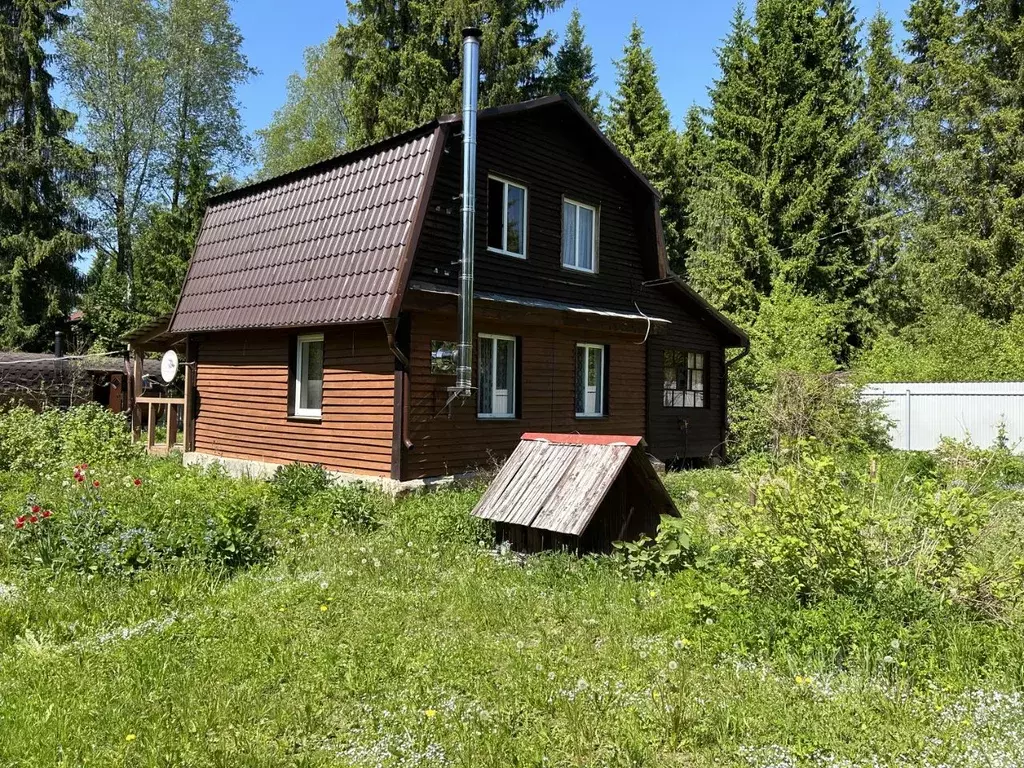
(312, 375)
(597, 358)
(501, 371)
(495, 212)
(505, 385)
(486, 374)
(585, 253)
(568, 234)
(516, 219)
(581, 383)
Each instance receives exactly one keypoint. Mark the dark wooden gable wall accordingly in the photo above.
(552, 154)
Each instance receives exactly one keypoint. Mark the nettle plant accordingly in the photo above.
(671, 549)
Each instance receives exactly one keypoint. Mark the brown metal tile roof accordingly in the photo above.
(322, 245)
(557, 482)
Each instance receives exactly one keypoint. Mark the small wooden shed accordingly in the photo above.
(577, 492)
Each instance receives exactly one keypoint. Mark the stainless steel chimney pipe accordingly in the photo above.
(470, 86)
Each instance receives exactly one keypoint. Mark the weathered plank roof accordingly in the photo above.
(323, 245)
(556, 482)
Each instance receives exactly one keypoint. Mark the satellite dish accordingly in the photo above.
(169, 366)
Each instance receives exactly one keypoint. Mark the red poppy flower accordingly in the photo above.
(85, 466)
(47, 512)
(138, 481)
(33, 519)
(95, 483)
(79, 478)
(35, 509)
(19, 523)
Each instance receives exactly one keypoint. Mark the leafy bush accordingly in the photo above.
(55, 438)
(805, 535)
(670, 550)
(105, 522)
(350, 505)
(293, 484)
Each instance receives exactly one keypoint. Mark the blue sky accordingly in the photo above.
(682, 33)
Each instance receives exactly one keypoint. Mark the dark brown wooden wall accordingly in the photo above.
(554, 158)
(551, 159)
(242, 380)
(444, 445)
(678, 433)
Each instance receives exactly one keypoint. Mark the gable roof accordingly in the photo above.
(333, 242)
(557, 482)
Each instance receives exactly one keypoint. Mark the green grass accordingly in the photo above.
(414, 645)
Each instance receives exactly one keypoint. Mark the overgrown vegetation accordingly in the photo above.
(810, 607)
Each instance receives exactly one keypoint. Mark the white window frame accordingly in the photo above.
(494, 339)
(599, 388)
(576, 246)
(300, 363)
(675, 396)
(505, 184)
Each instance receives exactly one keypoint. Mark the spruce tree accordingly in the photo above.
(403, 61)
(639, 125)
(964, 80)
(694, 157)
(782, 202)
(573, 68)
(41, 231)
(730, 261)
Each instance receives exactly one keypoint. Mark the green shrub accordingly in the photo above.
(670, 550)
(350, 505)
(805, 535)
(55, 438)
(293, 484)
(103, 521)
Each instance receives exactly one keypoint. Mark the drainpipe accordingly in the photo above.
(58, 344)
(725, 394)
(470, 84)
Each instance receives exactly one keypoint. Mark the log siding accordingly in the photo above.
(243, 387)
(455, 441)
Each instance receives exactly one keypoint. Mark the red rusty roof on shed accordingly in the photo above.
(322, 245)
(566, 439)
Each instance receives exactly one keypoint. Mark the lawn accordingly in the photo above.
(224, 622)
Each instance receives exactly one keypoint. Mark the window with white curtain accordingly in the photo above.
(590, 381)
(309, 375)
(579, 236)
(497, 377)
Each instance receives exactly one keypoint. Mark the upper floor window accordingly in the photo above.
(579, 224)
(684, 379)
(309, 376)
(497, 377)
(590, 380)
(506, 217)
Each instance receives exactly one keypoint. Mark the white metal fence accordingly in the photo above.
(922, 414)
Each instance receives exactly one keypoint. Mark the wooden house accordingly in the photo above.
(320, 309)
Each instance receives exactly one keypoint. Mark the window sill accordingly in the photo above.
(500, 252)
(500, 417)
(591, 416)
(306, 419)
(579, 270)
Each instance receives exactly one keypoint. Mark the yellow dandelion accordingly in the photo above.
(653, 593)
(323, 608)
(431, 713)
(130, 737)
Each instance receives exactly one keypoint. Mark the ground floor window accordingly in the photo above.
(309, 375)
(497, 374)
(684, 379)
(590, 380)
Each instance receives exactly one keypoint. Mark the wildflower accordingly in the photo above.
(653, 593)
(673, 666)
(323, 608)
(679, 644)
(19, 522)
(85, 465)
(35, 509)
(323, 585)
(137, 481)
(79, 478)
(130, 737)
(47, 512)
(430, 713)
(520, 645)
(33, 519)
(95, 483)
